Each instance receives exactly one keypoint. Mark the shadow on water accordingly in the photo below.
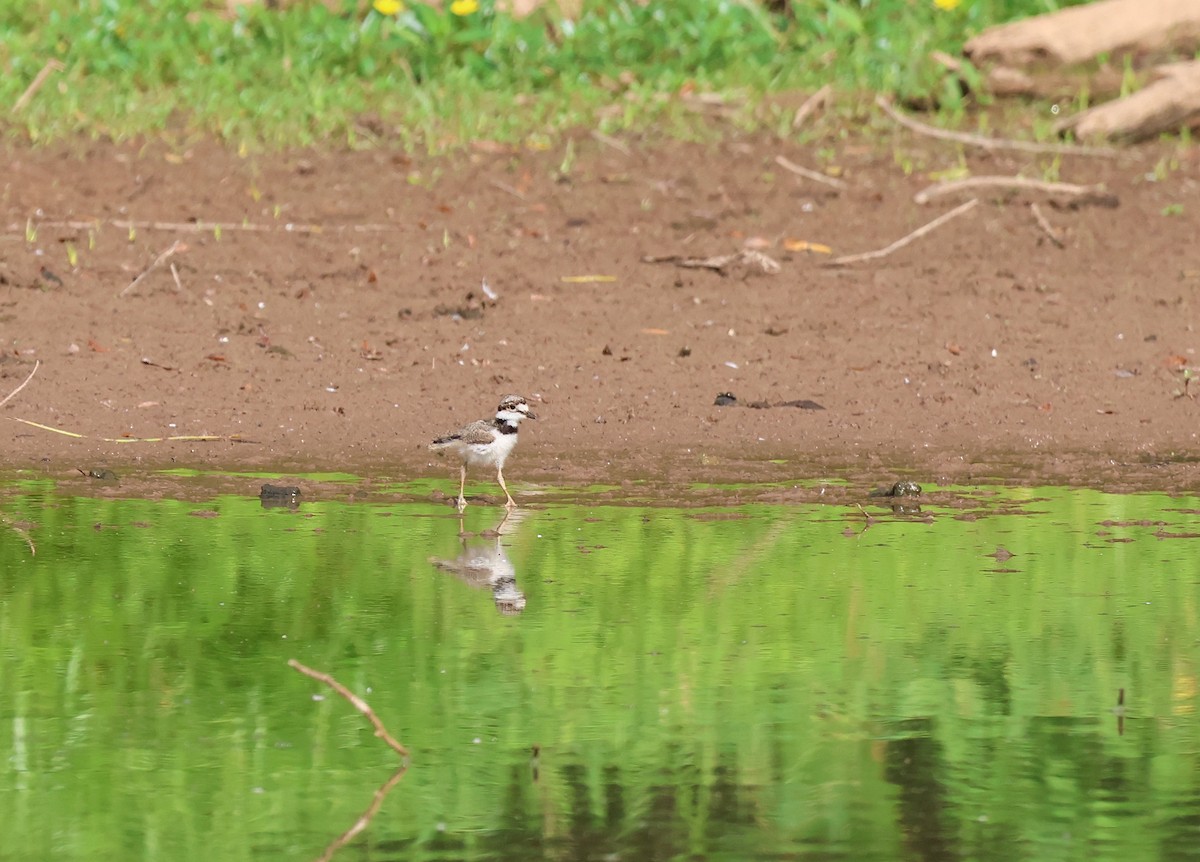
(588, 681)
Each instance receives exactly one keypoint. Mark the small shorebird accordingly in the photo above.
(486, 443)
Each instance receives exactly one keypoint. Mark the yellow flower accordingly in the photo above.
(947, 5)
(388, 7)
(463, 8)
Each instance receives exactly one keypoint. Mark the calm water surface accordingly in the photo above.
(609, 683)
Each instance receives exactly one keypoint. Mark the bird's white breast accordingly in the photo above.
(490, 454)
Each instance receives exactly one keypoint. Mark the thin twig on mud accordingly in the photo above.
(1024, 183)
(175, 275)
(36, 364)
(905, 240)
(1042, 223)
(367, 816)
(355, 701)
(990, 143)
(178, 438)
(610, 141)
(808, 174)
(812, 104)
(507, 189)
(206, 226)
(158, 261)
(36, 84)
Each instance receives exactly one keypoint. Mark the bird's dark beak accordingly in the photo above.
(529, 414)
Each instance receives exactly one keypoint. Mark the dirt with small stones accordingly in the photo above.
(327, 310)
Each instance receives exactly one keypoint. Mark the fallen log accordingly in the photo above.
(1170, 103)
(1041, 55)
(1079, 33)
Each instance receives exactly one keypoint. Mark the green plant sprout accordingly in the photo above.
(1188, 374)
(568, 159)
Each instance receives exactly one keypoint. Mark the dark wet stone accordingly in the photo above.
(726, 399)
(279, 496)
(102, 474)
(276, 491)
(900, 489)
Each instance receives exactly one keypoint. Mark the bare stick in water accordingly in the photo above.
(362, 822)
(355, 701)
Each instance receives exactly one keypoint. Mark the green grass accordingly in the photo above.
(429, 79)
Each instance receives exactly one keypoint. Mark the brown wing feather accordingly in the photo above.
(476, 432)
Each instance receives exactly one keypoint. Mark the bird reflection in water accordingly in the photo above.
(484, 563)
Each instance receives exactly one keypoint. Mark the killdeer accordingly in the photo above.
(486, 443)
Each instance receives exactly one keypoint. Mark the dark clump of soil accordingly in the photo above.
(328, 310)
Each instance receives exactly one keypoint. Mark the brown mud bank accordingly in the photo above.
(328, 310)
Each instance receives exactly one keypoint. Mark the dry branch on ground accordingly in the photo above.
(986, 143)
(747, 262)
(809, 174)
(924, 229)
(37, 364)
(1009, 184)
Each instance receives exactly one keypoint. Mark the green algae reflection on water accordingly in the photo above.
(758, 682)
